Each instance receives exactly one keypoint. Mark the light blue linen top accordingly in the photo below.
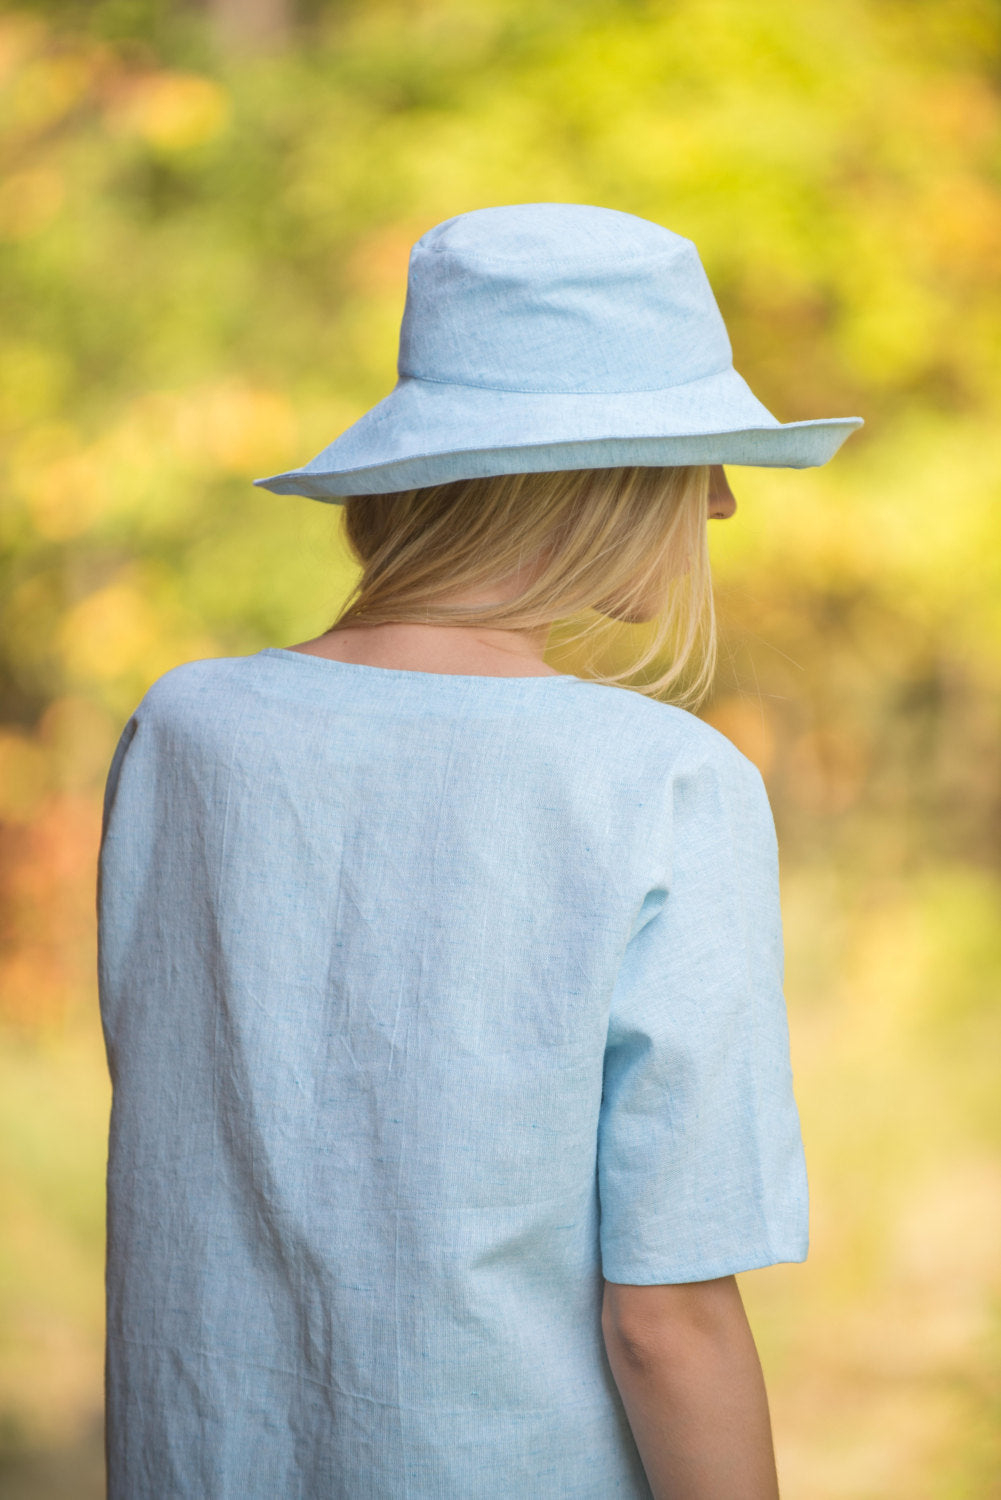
(429, 1000)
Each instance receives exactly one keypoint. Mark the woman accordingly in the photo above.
(442, 990)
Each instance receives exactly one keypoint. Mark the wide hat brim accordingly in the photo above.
(430, 432)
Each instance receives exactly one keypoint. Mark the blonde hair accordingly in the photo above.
(620, 558)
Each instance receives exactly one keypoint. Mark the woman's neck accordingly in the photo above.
(460, 650)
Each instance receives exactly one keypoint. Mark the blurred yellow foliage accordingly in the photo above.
(235, 428)
(65, 496)
(29, 201)
(746, 722)
(78, 737)
(172, 111)
(24, 776)
(46, 87)
(109, 632)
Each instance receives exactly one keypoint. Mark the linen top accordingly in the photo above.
(429, 1001)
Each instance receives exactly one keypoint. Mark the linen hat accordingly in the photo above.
(548, 336)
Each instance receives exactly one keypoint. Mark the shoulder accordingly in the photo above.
(220, 679)
(185, 721)
(667, 740)
(192, 709)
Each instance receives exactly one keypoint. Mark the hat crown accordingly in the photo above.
(559, 298)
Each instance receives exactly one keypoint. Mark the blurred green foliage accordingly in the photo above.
(203, 255)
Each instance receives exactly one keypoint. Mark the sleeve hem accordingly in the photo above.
(625, 1274)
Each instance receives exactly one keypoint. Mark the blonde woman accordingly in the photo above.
(442, 990)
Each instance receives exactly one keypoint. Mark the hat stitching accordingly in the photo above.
(638, 437)
(569, 262)
(538, 390)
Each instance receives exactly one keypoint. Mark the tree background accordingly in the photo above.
(205, 216)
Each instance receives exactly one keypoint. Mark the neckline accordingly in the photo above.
(411, 674)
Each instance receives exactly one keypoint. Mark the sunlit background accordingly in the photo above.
(205, 217)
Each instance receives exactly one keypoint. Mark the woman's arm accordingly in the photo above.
(688, 1372)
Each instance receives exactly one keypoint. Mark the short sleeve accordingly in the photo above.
(114, 771)
(700, 1158)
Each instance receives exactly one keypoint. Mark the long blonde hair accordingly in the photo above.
(608, 545)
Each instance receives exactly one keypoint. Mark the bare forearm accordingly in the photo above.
(695, 1398)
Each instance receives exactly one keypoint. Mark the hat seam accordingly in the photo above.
(584, 262)
(536, 390)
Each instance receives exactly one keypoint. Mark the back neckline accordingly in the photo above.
(411, 674)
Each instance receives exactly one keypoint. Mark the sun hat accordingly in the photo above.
(549, 336)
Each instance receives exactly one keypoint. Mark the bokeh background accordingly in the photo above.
(205, 217)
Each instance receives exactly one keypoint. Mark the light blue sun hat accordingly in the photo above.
(549, 336)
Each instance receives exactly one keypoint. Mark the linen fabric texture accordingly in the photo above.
(550, 336)
(429, 1001)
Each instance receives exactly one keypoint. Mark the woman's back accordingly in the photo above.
(431, 1001)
